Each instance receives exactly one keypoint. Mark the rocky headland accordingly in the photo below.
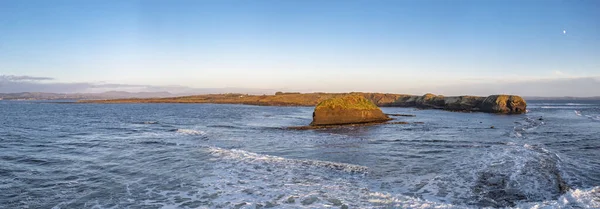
(500, 104)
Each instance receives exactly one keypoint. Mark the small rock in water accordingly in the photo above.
(290, 200)
(309, 200)
(335, 202)
(344, 206)
(259, 206)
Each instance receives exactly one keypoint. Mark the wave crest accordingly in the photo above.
(242, 155)
(190, 132)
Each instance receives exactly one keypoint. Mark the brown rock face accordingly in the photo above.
(463, 103)
(430, 101)
(505, 104)
(349, 109)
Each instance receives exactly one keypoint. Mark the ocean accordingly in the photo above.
(66, 155)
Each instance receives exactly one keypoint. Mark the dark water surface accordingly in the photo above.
(211, 156)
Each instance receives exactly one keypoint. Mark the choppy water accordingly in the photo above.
(211, 156)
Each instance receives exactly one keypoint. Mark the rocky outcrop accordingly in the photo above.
(505, 104)
(349, 109)
(501, 104)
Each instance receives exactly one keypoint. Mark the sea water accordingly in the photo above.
(66, 155)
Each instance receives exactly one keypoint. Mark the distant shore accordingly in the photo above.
(427, 101)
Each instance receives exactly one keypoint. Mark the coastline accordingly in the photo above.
(427, 101)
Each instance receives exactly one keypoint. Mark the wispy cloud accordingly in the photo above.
(542, 86)
(565, 86)
(558, 73)
(24, 78)
(24, 83)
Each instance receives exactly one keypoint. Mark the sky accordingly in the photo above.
(396, 46)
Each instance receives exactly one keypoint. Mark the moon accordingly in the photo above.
(564, 31)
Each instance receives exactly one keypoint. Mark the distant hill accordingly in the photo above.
(82, 96)
(164, 94)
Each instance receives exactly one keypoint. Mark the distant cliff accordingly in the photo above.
(503, 104)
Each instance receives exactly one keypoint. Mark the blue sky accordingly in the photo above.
(392, 46)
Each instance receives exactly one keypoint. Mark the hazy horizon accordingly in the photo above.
(529, 48)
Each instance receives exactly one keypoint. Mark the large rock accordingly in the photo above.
(349, 109)
(505, 104)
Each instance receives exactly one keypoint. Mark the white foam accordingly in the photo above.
(578, 104)
(190, 132)
(578, 198)
(245, 177)
(565, 104)
(592, 117)
(254, 157)
(566, 107)
(400, 201)
(525, 126)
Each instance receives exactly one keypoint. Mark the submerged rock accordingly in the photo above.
(505, 104)
(349, 109)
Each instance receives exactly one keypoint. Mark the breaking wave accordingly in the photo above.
(190, 132)
(525, 125)
(246, 156)
(578, 198)
(251, 180)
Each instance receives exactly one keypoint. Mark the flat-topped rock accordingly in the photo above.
(348, 109)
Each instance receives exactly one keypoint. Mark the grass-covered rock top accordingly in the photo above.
(346, 110)
(352, 101)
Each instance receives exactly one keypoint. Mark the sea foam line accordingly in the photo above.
(236, 154)
(190, 132)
